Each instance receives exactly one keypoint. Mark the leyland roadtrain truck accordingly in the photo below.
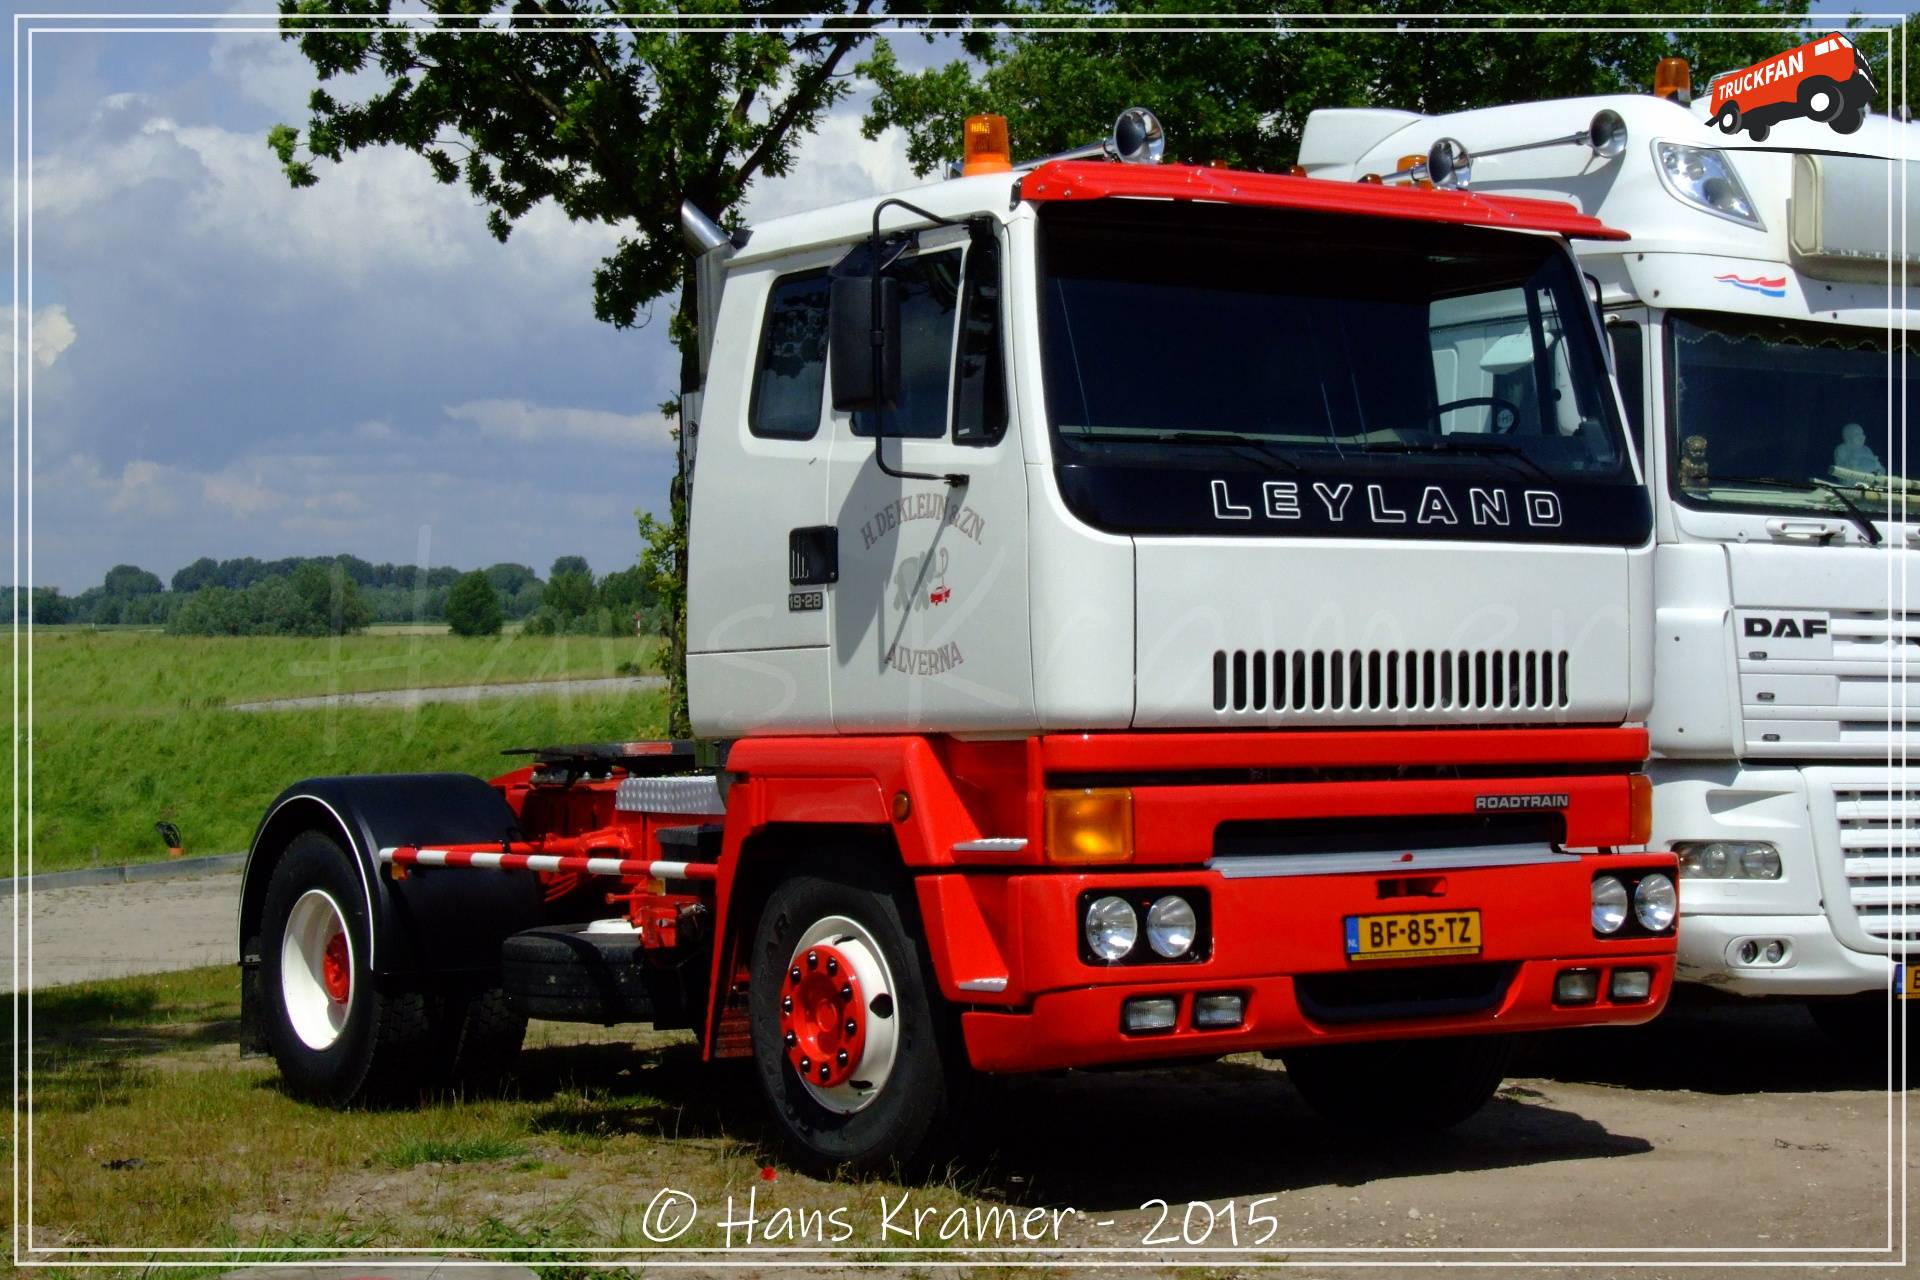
(1103, 653)
(1757, 321)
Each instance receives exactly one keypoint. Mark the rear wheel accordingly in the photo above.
(1401, 1085)
(335, 1033)
(1850, 116)
(1820, 98)
(854, 1050)
(1729, 118)
(486, 1032)
(1759, 132)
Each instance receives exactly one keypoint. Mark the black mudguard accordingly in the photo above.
(437, 920)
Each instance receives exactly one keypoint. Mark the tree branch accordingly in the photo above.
(803, 94)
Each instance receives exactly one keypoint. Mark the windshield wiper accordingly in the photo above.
(1812, 484)
(1258, 448)
(1471, 445)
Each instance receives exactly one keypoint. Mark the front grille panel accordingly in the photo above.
(1880, 850)
(1320, 680)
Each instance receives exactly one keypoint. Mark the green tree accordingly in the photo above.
(473, 606)
(1241, 97)
(614, 115)
(204, 572)
(126, 580)
(568, 595)
(569, 564)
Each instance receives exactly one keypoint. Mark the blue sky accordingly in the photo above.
(223, 366)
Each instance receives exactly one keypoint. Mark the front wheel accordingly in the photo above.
(854, 1051)
(337, 1035)
(1820, 98)
(1401, 1085)
(1850, 117)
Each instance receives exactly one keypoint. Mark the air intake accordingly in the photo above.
(1283, 680)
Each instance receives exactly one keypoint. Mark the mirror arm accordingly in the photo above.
(953, 479)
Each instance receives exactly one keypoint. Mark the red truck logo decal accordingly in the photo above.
(1825, 80)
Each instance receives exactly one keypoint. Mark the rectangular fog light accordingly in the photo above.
(1219, 1010)
(1631, 984)
(1576, 986)
(1149, 1013)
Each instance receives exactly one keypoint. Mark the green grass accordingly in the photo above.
(150, 671)
(130, 729)
(150, 1130)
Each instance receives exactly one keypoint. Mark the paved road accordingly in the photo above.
(456, 693)
(115, 930)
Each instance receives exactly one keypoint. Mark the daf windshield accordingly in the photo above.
(1416, 361)
(1770, 415)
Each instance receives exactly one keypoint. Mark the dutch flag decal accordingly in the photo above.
(1774, 288)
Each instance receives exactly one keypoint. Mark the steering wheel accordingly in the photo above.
(1506, 413)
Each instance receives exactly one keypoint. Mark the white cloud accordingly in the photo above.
(834, 165)
(523, 422)
(53, 334)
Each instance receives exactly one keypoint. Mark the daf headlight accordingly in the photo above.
(1704, 178)
(1728, 859)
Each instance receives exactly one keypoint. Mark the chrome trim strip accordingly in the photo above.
(1412, 861)
(991, 844)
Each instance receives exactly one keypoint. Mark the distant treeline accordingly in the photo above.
(329, 595)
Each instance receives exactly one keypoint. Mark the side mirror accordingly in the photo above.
(864, 377)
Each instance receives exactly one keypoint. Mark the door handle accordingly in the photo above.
(1789, 530)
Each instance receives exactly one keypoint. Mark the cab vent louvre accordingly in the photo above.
(1389, 680)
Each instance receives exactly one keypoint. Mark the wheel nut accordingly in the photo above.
(806, 1063)
(846, 991)
(786, 1004)
(813, 959)
(852, 1026)
(825, 1071)
(833, 966)
(794, 973)
(842, 1059)
(792, 1040)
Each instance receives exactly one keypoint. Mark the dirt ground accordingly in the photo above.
(84, 932)
(1721, 1136)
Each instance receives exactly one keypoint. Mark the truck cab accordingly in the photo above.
(1756, 320)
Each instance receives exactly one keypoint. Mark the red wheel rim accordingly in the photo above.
(336, 969)
(823, 1017)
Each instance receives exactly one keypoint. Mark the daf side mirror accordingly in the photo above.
(863, 345)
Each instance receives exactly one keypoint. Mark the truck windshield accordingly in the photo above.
(1772, 415)
(1340, 350)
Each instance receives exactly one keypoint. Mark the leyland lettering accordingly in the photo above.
(1483, 506)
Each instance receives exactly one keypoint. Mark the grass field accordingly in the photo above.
(132, 728)
(149, 1129)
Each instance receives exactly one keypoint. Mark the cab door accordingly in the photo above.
(757, 625)
(929, 618)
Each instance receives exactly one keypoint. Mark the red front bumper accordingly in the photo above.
(1279, 941)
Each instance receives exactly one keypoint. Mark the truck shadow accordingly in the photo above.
(1239, 1128)
(1709, 1045)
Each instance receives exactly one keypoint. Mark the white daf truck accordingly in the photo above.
(1757, 321)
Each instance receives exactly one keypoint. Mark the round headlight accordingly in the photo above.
(1760, 862)
(1707, 861)
(1609, 905)
(1655, 903)
(1112, 928)
(1171, 927)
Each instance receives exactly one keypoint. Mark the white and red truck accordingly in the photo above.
(1101, 656)
(1757, 318)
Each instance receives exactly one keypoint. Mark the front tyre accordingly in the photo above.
(854, 1052)
(1401, 1085)
(1820, 98)
(337, 1036)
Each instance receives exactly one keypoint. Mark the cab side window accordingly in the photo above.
(1629, 366)
(791, 374)
(929, 302)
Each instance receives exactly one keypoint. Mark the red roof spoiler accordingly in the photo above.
(1101, 179)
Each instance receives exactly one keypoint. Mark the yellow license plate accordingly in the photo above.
(1421, 933)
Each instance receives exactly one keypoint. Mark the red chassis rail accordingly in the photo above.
(1003, 923)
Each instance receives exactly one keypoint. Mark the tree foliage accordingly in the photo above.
(1241, 97)
(473, 607)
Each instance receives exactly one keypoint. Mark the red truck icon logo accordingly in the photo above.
(1825, 80)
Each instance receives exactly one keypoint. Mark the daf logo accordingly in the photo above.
(1785, 628)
